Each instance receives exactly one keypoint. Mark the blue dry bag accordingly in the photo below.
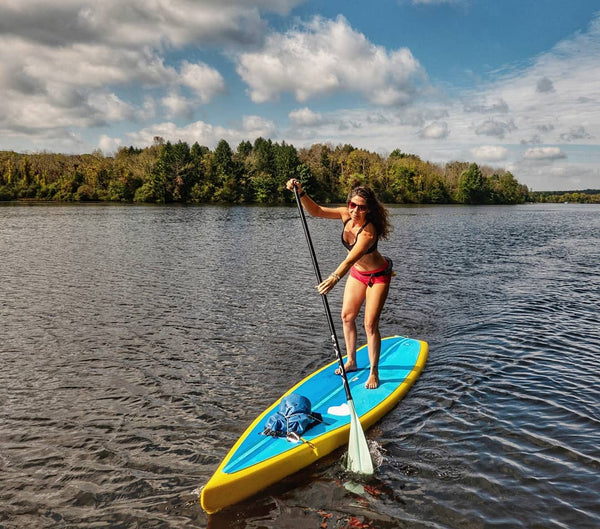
(294, 416)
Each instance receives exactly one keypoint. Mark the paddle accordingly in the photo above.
(359, 458)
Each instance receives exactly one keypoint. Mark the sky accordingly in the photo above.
(511, 84)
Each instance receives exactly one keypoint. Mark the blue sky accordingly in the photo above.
(505, 83)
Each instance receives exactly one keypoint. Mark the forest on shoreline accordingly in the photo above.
(255, 173)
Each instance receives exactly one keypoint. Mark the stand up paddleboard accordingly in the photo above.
(257, 461)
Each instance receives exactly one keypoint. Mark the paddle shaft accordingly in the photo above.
(334, 338)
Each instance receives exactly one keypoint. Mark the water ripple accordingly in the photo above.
(138, 342)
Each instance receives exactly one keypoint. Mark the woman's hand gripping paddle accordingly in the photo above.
(359, 458)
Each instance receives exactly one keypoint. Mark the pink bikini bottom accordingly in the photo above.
(381, 275)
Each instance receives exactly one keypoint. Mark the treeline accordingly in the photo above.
(585, 196)
(252, 173)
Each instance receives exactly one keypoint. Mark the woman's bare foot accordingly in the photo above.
(348, 366)
(372, 381)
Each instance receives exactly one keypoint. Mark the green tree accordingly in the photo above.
(324, 171)
(244, 149)
(264, 187)
(257, 172)
(260, 169)
(403, 177)
(473, 187)
(205, 188)
(286, 167)
(223, 159)
(227, 188)
(452, 173)
(240, 161)
(182, 172)
(263, 156)
(157, 178)
(437, 192)
(507, 189)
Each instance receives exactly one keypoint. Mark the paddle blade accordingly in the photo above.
(359, 458)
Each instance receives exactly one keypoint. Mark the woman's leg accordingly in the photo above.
(376, 296)
(354, 295)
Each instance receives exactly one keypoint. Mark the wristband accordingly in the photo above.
(302, 194)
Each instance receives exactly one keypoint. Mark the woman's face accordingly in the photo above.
(357, 207)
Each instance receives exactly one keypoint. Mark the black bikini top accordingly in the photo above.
(350, 246)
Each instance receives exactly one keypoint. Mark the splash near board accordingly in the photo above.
(257, 460)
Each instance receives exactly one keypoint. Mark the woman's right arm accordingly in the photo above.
(311, 206)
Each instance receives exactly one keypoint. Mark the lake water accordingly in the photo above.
(137, 343)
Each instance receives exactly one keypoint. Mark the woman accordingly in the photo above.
(365, 222)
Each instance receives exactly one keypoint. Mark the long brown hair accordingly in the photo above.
(377, 214)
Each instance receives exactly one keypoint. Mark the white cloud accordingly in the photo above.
(493, 127)
(90, 65)
(69, 87)
(520, 120)
(558, 91)
(255, 126)
(435, 131)
(109, 145)
(305, 117)
(140, 22)
(110, 106)
(205, 81)
(178, 106)
(544, 153)
(545, 85)
(558, 176)
(67, 64)
(576, 133)
(489, 153)
(205, 133)
(326, 56)
(148, 109)
(483, 107)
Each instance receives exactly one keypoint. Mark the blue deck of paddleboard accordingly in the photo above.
(325, 389)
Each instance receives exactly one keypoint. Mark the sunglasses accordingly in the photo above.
(360, 207)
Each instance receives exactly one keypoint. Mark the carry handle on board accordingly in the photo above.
(359, 458)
